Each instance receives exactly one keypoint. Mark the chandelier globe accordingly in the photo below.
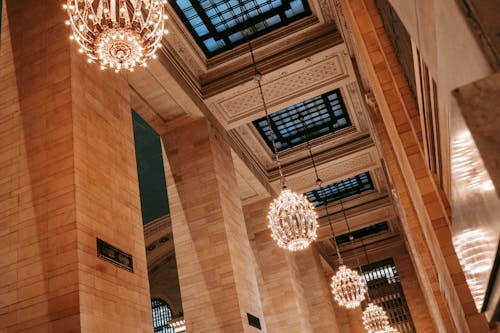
(348, 287)
(117, 34)
(292, 220)
(375, 319)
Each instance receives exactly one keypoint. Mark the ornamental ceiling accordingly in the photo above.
(306, 70)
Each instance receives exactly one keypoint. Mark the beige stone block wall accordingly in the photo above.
(428, 223)
(68, 176)
(216, 272)
(294, 291)
(319, 298)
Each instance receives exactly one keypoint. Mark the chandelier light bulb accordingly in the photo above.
(375, 319)
(117, 34)
(292, 220)
(348, 287)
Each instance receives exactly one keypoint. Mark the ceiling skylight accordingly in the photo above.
(342, 189)
(218, 25)
(321, 115)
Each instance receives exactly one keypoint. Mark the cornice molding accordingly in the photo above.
(303, 79)
(269, 58)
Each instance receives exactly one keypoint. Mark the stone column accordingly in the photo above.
(317, 291)
(216, 272)
(425, 219)
(283, 298)
(67, 176)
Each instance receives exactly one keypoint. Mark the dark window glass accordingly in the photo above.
(161, 315)
(305, 120)
(342, 189)
(386, 291)
(217, 25)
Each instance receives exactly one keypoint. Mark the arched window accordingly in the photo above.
(161, 315)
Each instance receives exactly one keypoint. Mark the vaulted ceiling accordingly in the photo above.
(304, 54)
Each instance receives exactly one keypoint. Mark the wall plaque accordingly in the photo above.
(115, 256)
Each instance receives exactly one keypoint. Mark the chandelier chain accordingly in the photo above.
(319, 182)
(292, 218)
(258, 79)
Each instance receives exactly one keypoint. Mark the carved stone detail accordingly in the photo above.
(358, 106)
(301, 80)
(331, 172)
(326, 10)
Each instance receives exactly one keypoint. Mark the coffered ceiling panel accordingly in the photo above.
(306, 78)
(333, 170)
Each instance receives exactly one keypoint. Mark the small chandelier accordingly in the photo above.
(348, 287)
(375, 319)
(292, 220)
(117, 34)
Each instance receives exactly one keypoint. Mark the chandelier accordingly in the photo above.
(117, 34)
(291, 217)
(375, 319)
(348, 287)
(390, 329)
(292, 220)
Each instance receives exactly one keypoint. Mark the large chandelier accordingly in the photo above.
(348, 287)
(117, 34)
(375, 319)
(292, 220)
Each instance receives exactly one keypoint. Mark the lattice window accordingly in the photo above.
(161, 315)
(342, 189)
(385, 290)
(321, 115)
(218, 25)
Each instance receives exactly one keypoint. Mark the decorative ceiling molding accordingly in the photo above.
(299, 81)
(368, 212)
(332, 166)
(331, 172)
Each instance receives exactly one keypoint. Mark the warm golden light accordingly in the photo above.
(476, 210)
(292, 220)
(375, 319)
(117, 34)
(476, 250)
(348, 287)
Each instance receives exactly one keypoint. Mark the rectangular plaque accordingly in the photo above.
(115, 256)
(253, 321)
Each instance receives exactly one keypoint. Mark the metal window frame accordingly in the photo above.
(388, 293)
(311, 132)
(162, 314)
(318, 200)
(240, 27)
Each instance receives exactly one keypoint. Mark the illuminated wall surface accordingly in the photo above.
(476, 215)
